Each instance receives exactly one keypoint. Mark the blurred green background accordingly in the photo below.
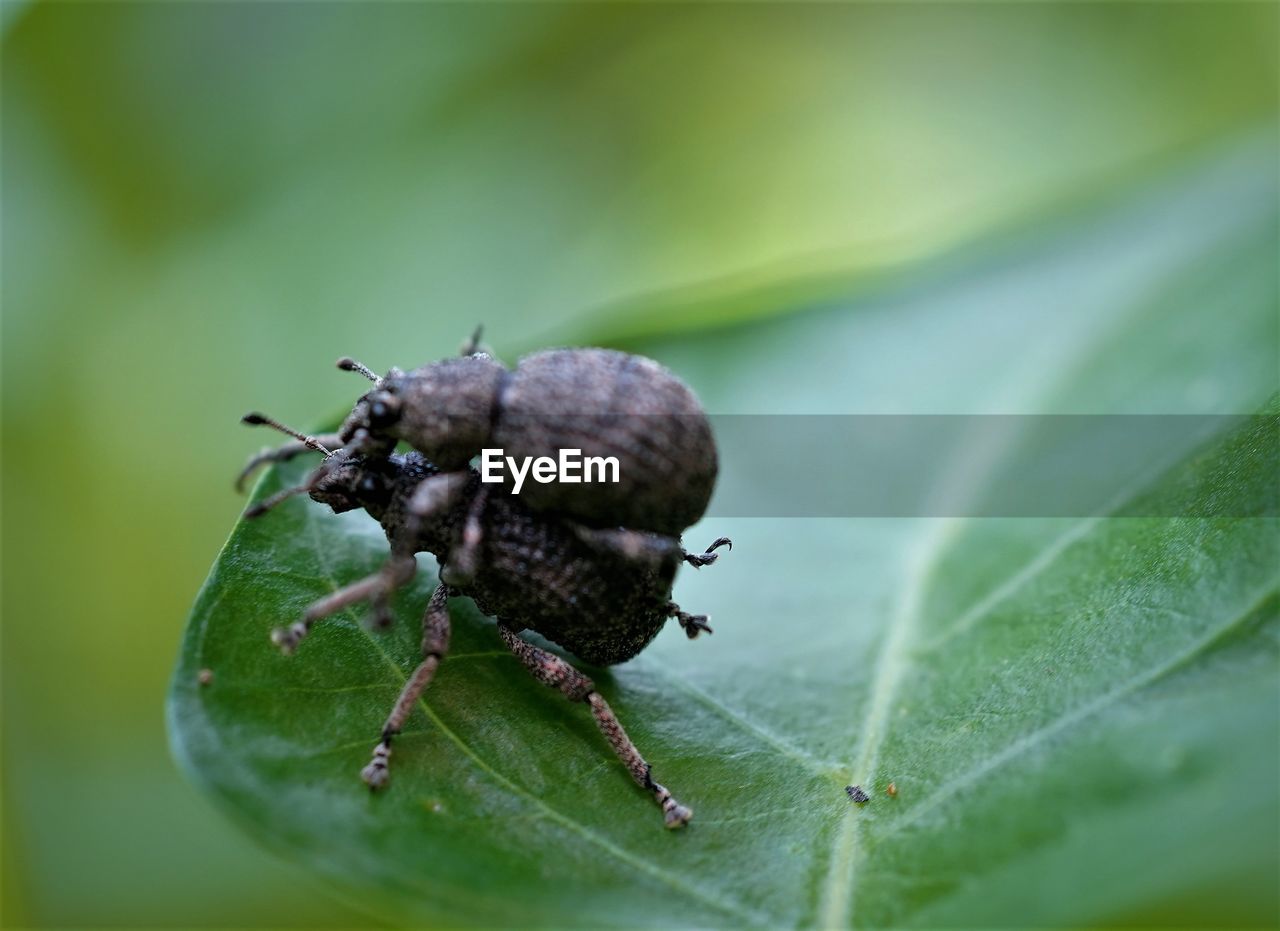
(205, 204)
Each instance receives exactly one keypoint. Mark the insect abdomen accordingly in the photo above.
(611, 404)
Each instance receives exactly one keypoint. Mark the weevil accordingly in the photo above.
(605, 403)
(602, 594)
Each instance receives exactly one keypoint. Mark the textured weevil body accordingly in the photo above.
(605, 403)
(601, 594)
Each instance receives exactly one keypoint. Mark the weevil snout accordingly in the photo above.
(352, 484)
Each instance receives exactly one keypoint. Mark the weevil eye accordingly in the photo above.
(384, 409)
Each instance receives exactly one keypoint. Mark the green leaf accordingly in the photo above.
(1079, 715)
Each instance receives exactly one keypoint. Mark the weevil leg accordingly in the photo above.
(282, 453)
(379, 586)
(636, 546)
(709, 555)
(435, 495)
(693, 624)
(464, 559)
(435, 643)
(555, 673)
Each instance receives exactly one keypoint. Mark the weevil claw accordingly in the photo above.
(288, 638)
(678, 817)
(377, 774)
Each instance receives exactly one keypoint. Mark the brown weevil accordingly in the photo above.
(600, 402)
(601, 593)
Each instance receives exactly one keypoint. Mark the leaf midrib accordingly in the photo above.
(837, 902)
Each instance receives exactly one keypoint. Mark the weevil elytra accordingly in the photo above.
(602, 593)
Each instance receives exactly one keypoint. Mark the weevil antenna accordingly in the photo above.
(267, 504)
(255, 419)
(348, 364)
(332, 460)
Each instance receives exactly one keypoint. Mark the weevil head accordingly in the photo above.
(353, 483)
(378, 411)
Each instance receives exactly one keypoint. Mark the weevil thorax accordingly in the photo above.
(445, 410)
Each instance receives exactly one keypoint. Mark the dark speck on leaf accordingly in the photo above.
(856, 793)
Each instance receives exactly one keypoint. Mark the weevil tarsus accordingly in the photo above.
(709, 555)
(693, 624)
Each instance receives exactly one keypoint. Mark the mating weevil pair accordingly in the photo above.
(564, 564)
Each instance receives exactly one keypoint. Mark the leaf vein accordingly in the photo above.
(1029, 741)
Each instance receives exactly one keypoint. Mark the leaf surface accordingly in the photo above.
(1079, 714)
